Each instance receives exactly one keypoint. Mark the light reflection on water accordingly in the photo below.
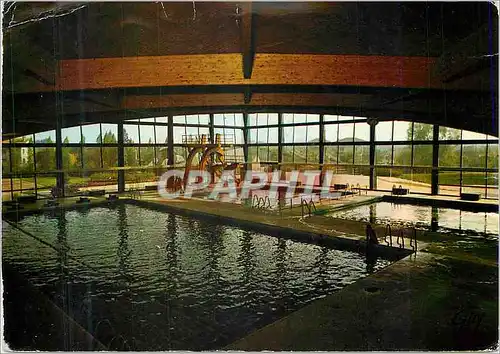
(425, 217)
(161, 281)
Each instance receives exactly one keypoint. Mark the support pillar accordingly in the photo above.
(435, 160)
(373, 178)
(245, 137)
(170, 141)
(121, 160)
(59, 154)
(280, 138)
(321, 148)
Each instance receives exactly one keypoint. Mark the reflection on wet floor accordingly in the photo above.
(424, 217)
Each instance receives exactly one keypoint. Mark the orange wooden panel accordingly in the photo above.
(226, 69)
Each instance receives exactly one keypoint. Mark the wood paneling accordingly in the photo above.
(226, 69)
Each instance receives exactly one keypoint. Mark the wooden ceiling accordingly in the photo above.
(109, 61)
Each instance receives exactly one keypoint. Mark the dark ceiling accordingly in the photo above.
(458, 35)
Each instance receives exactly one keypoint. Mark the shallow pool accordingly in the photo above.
(424, 217)
(141, 279)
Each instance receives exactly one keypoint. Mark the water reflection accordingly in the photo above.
(161, 281)
(434, 219)
(424, 217)
(123, 251)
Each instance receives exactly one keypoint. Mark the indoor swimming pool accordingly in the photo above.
(141, 279)
(424, 217)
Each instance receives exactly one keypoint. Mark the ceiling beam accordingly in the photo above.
(225, 69)
(247, 40)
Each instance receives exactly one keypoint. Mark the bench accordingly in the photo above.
(96, 193)
(400, 191)
(27, 199)
(470, 196)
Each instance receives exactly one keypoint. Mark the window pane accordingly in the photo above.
(192, 119)
(179, 132)
(362, 132)
(329, 118)
(288, 118)
(346, 154)
(383, 154)
(252, 154)
(252, 136)
(312, 133)
(5, 160)
(422, 131)
(71, 135)
(300, 118)
(161, 158)
(330, 154)
(402, 131)
(468, 135)
(273, 153)
(131, 155)
(91, 133)
(146, 120)
(344, 117)
(287, 152)
(346, 132)
(273, 135)
(422, 155)
(312, 118)
(22, 159)
(91, 158)
(72, 158)
(109, 157)
(147, 134)
(446, 133)
(300, 134)
(238, 138)
(362, 155)
(179, 119)
(402, 155)
(383, 131)
(288, 134)
(449, 155)
(161, 119)
(312, 155)
(252, 119)
(147, 156)
(110, 133)
(23, 139)
(474, 155)
(218, 119)
(300, 153)
(45, 159)
(331, 133)
(180, 155)
(161, 134)
(493, 156)
(46, 137)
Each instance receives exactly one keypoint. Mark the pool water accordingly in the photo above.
(424, 217)
(141, 279)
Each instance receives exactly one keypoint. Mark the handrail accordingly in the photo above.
(309, 205)
(388, 228)
(401, 236)
(413, 240)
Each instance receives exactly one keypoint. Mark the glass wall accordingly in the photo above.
(403, 151)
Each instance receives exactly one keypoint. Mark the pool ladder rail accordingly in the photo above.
(309, 205)
(400, 240)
